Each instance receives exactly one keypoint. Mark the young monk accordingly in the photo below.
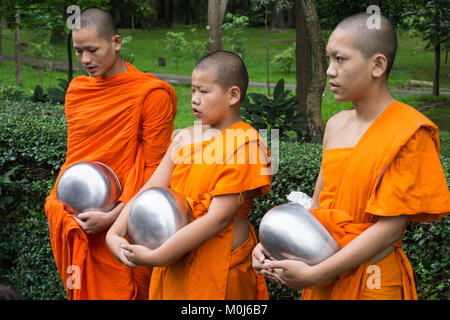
(380, 169)
(220, 167)
(123, 118)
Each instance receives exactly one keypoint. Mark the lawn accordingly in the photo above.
(412, 62)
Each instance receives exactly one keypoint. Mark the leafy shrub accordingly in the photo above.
(177, 44)
(233, 30)
(285, 59)
(53, 95)
(279, 112)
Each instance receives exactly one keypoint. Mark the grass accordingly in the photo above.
(412, 62)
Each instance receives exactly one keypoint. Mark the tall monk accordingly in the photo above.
(123, 118)
(220, 166)
(380, 169)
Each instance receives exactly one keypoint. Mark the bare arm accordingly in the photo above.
(221, 212)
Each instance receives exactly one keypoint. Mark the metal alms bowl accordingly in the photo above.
(291, 232)
(156, 214)
(89, 185)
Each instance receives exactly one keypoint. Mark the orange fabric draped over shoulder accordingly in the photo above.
(202, 171)
(126, 122)
(393, 170)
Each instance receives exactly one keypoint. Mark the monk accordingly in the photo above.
(123, 118)
(220, 166)
(380, 169)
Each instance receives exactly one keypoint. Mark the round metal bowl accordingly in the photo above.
(156, 214)
(88, 185)
(291, 232)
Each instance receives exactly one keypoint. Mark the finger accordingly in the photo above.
(269, 264)
(81, 223)
(270, 276)
(83, 216)
(258, 255)
(126, 261)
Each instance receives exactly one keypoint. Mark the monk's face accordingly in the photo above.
(98, 55)
(350, 74)
(210, 103)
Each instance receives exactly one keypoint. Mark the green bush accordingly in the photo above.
(32, 150)
(285, 59)
(279, 112)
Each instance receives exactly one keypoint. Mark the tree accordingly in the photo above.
(431, 20)
(278, 5)
(216, 13)
(17, 58)
(317, 66)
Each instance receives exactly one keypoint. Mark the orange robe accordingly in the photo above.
(126, 122)
(393, 170)
(202, 171)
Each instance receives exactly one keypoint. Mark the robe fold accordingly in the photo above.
(234, 161)
(126, 122)
(393, 170)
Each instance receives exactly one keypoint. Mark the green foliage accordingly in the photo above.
(233, 33)
(176, 43)
(196, 46)
(285, 59)
(430, 19)
(427, 247)
(279, 112)
(53, 95)
(125, 52)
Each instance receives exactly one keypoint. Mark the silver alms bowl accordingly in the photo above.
(88, 185)
(156, 214)
(291, 232)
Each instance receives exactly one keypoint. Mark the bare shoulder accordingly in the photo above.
(336, 123)
(339, 119)
(183, 136)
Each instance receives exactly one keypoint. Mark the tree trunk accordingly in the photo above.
(277, 17)
(1, 39)
(303, 57)
(2, 26)
(437, 64)
(152, 18)
(216, 13)
(69, 57)
(17, 58)
(168, 13)
(317, 83)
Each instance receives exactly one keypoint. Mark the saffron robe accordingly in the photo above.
(393, 170)
(126, 122)
(202, 171)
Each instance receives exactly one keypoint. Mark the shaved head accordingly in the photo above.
(99, 19)
(229, 67)
(371, 41)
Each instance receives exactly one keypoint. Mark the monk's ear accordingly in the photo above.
(379, 65)
(116, 41)
(234, 95)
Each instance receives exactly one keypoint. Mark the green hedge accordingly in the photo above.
(32, 149)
